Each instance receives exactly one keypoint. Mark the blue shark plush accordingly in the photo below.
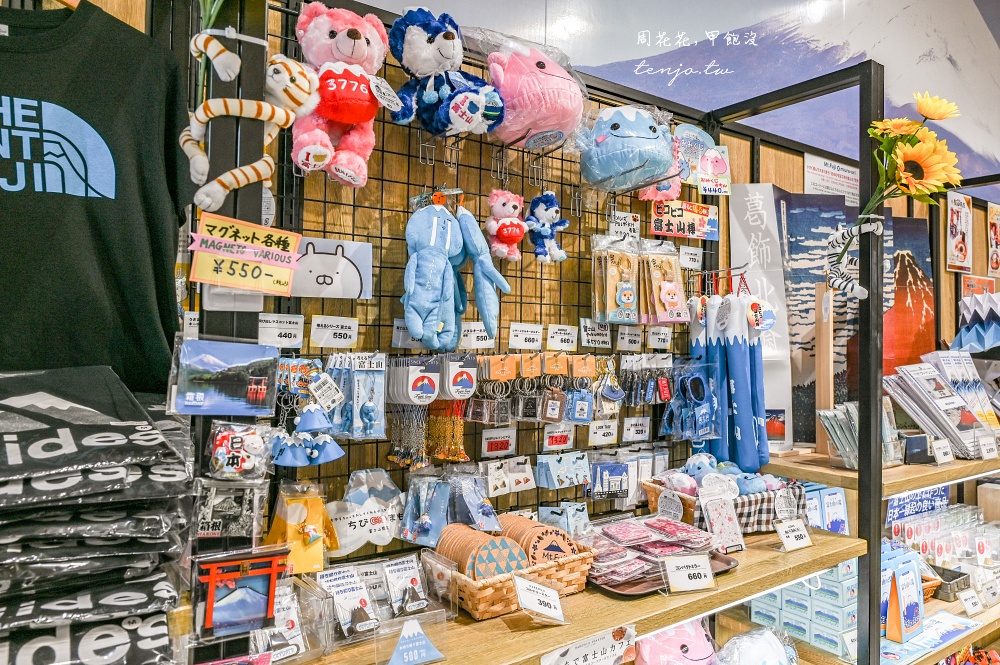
(445, 100)
(434, 298)
(626, 149)
(544, 221)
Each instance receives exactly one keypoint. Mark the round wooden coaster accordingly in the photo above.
(498, 556)
(548, 544)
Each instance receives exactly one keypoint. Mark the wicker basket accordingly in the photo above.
(653, 491)
(930, 585)
(755, 511)
(495, 596)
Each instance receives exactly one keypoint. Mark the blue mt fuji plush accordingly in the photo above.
(626, 149)
(445, 100)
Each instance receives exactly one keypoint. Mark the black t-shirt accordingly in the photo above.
(92, 189)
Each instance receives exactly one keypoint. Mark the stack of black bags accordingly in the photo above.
(95, 498)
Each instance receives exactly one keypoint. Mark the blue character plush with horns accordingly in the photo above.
(627, 148)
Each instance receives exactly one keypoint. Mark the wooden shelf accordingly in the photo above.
(735, 621)
(511, 640)
(899, 479)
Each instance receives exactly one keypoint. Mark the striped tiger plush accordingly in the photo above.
(289, 88)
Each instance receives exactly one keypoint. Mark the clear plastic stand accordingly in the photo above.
(688, 573)
(539, 603)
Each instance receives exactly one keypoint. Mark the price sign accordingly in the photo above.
(562, 338)
(538, 599)
(401, 337)
(326, 391)
(660, 337)
(988, 447)
(602, 432)
(851, 643)
(690, 257)
(596, 334)
(558, 436)
(970, 601)
(635, 429)
(692, 572)
(334, 332)
(191, 320)
(474, 336)
(527, 336)
(942, 452)
(793, 534)
(499, 442)
(991, 592)
(624, 225)
(629, 338)
(281, 330)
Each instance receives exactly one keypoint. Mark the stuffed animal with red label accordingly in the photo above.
(347, 51)
(504, 227)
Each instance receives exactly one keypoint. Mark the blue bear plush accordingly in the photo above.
(544, 221)
(627, 148)
(700, 465)
(750, 483)
(445, 100)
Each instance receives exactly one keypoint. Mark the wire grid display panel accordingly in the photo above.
(378, 213)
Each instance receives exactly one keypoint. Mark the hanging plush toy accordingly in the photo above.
(435, 296)
(289, 89)
(347, 51)
(544, 221)
(627, 148)
(444, 99)
(504, 228)
(669, 189)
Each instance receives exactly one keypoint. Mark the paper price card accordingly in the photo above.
(851, 643)
(281, 330)
(692, 572)
(635, 429)
(526, 336)
(562, 338)
(535, 598)
(558, 436)
(596, 334)
(991, 592)
(401, 337)
(603, 432)
(474, 336)
(240, 255)
(191, 320)
(660, 337)
(941, 449)
(793, 534)
(988, 447)
(629, 338)
(334, 332)
(499, 442)
(970, 601)
(690, 257)
(624, 225)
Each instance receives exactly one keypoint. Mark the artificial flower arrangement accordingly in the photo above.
(912, 161)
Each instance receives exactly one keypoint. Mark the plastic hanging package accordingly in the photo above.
(663, 299)
(239, 451)
(625, 148)
(229, 513)
(760, 645)
(616, 280)
(543, 97)
(148, 519)
(71, 549)
(97, 572)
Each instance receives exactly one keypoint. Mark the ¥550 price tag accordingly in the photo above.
(688, 573)
(538, 599)
(793, 534)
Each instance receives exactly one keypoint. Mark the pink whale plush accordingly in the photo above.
(686, 644)
(544, 103)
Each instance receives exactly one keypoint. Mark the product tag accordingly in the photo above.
(851, 643)
(334, 332)
(691, 572)
(557, 436)
(988, 447)
(793, 534)
(690, 257)
(635, 429)
(531, 365)
(785, 505)
(624, 225)
(501, 368)
(669, 505)
(191, 325)
(281, 330)
(384, 93)
(991, 593)
(562, 338)
(326, 392)
(602, 432)
(595, 334)
(474, 336)
(942, 452)
(538, 599)
(629, 338)
(401, 338)
(499, 442)
(970, 601)
(660, 337)
(526, 336)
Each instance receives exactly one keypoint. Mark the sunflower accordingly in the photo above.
(896, 126)
(924, 168)
(935, 108)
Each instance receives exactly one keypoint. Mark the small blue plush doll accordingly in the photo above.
(627, 148)
(729, 468)
(750, 483)
(700, 465)
(445, 100)
(544, 221)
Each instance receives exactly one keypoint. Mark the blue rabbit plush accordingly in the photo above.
(445, 100)
(544, 221)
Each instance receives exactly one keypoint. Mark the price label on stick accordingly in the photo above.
(401, 337)
(538, 599)
(942, 452)
(525, 336)
(281, 330)
(557, 436)
(793, 534)
(562, 338)
(692, 572)
(635, 429)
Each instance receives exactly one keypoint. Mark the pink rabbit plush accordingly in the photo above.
(504, 227)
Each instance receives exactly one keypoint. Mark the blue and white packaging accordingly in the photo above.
(832, 617)
(827, 639)
(795, 604)
(764, 614)
(814, 510)
(834, 504)
(840, 594)
(842, 571)
(772, 598)
(795, 626)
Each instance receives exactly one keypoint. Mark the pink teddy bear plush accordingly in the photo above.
(504, 227)
(347, 50)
